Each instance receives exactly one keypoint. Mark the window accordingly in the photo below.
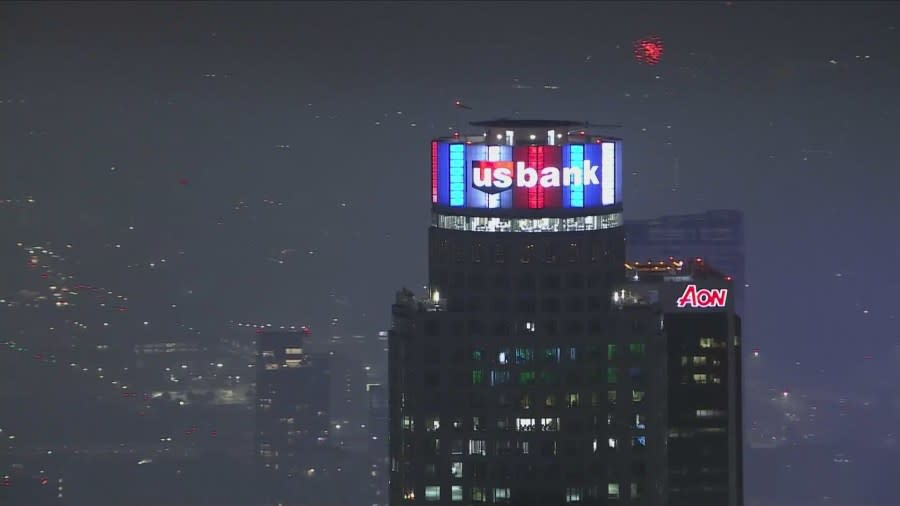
(408, 423)
(638, 349)
(527, 254)
(612, 375)
(430, 470)
(476, 423)
(637, 395)
(477, 252)
(612, 442)
(432, 424)
(637, 375)
(551, 355)
(700, 379)
(526, 378)
(409, 495)
(550, 424)
(612, 491)
(640, 422)
(499, 377)
(523, 447)
(611, 396)
(635, 491)
(477, 447)
(477, 376)
(524, 355)
(477, 355)
(525, 401)
(293, 351)
(456, 447)
(503, 357)
(610, 352)
(573, 494)
(433, 493)
(456, 493)
(501, 494)
(525, 424)
(456, 469)
(710, 413)
(434, 448)
(698, 360)
(708, 342)
(477, 494)
(550, 401)
(639, 441)
(457, 424)
(572, 400)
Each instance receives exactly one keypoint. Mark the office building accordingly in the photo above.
(510, 383)
(702, 402)
(292, 417)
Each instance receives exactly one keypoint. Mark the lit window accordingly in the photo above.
(550, 401)
(573, 495)
(432, 424)
(408, 423)
(476, 423)
(639, 441)
(526, 378)
(293, 351)
(477, 447)
(698, 360)
(477, 494)
(271, 367)
(610, 351)
(613, 491)
(635, 491)
(268, 354)
(524, 355)
(640, 422)
(503, 357)
(572, 400)
(700, 379)
(595, 446)
(710, 413)
(477, 376)
(293, 364)
(549, 424)
(611, 396)
(456, 494)
(433, 493)
(409, 495)
(638, 349)
(501, 494)
(612, 375)
(456, 469)
(525, 424)
(476, 355)
(637, 395)
(613, 443)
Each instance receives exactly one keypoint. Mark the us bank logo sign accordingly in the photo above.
(526, 177)
(495, 177)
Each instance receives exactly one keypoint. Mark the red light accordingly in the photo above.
(698, 260)
(44, 480)
(123, 309)
(183, 181)
(45, 276)
(214, 433)
(648, 50)
(728, 278)
(38, 356)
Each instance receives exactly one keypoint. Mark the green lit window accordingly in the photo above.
(612, 375)
(524, 355)
(638, 349)
(476, 355)
(610, 352)
(526, 377)
(477, 376)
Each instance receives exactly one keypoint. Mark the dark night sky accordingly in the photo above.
(786, 111)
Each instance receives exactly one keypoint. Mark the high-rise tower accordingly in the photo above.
(512, 383)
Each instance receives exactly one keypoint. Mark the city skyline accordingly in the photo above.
(186, 173)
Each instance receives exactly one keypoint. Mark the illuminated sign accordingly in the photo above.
(536, 176)
(495, 177)
(703, 297)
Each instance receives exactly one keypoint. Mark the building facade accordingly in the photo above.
(701, 343)
(292, 418)
(515, 382)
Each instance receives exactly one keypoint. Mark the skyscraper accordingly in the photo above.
(502, 385)
(292, 392)
(716, 236)
(700, 344)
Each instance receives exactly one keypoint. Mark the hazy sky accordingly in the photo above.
(246, 135)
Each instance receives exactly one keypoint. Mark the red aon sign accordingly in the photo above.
(703, 298)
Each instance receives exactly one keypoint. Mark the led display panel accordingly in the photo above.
(481, 176)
